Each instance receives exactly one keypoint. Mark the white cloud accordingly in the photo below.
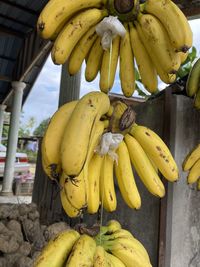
(43, 99)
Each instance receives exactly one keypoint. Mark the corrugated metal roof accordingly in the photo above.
(19, 43)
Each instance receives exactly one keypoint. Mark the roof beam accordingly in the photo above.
(12, 32)
(7, 58)
(23, 8)
(5, 78)
(26, 24)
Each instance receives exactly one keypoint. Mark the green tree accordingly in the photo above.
(40, 130)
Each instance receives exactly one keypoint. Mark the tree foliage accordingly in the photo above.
(40, 130)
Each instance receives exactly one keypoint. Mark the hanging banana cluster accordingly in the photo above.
(157, 38)
(192, 164)
(86, 177)
(193, 84)
(113, 246)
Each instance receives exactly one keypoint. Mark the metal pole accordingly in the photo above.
(18, 88)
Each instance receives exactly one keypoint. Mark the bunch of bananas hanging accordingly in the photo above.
(86, 176)
(192, 164)
(157, 37)
(193, 84)
(113, 246)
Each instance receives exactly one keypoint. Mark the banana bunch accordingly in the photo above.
(192, 164)
(193, 84)
(157, 44)
(112, 246)
(86, 177)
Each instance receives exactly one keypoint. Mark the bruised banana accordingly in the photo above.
(127, 251)
(107, 188)
(174, 22)
(126, 66)
(125, 178)
(82, 253)
(145, 65)
(191, 158)
(154, 146)
(57, 12)
(158, 44)
(72, 33)
(68, 208)
(93, 61)
(75, 144)
(94, 169)
(51, 143)
(144, 168)
(62, 244)
(100, 257)
(81, 50)
(115, 262)
(109, 66)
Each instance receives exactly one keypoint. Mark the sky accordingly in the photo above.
(42, 102)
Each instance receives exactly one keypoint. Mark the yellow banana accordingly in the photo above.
(68, 208)
(72, 33)
(125, 178)
(145, 65)
(143, 167)
(51, 143)
(107, 188)
(128, 251)
(62, 244)
(194, 173)
(191, 158)
(127, 69)
(57, 12)
(81, 50)
(157, 150)
(109, 66)
(158, 44)
(99, 257)
(94, 169)
(93, 61)
(115, 262)
(174, 21)
(183, 56)
(193, 81)
(111, 227)
(77, 135)
(82, 252)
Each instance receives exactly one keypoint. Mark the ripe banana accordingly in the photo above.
(100, 257)
(174, 21)
(128, 252)
(145, 65)
(125, 178)
(72, 33)
(111, 227)
(82, 252)
(143, 167)
(62, 245)
(93, 61)
(57, 12)
(193, 81)
(194, 173)
(107, 188)
(75, 143)
(183, 56)
(51, 143)
(109, 66)
(197, 99)
(81, 50)
(157, 150)
(158, 44)
(68, 208)
(127, 69)
(115, 262)
(191, 158)
(94, 169)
